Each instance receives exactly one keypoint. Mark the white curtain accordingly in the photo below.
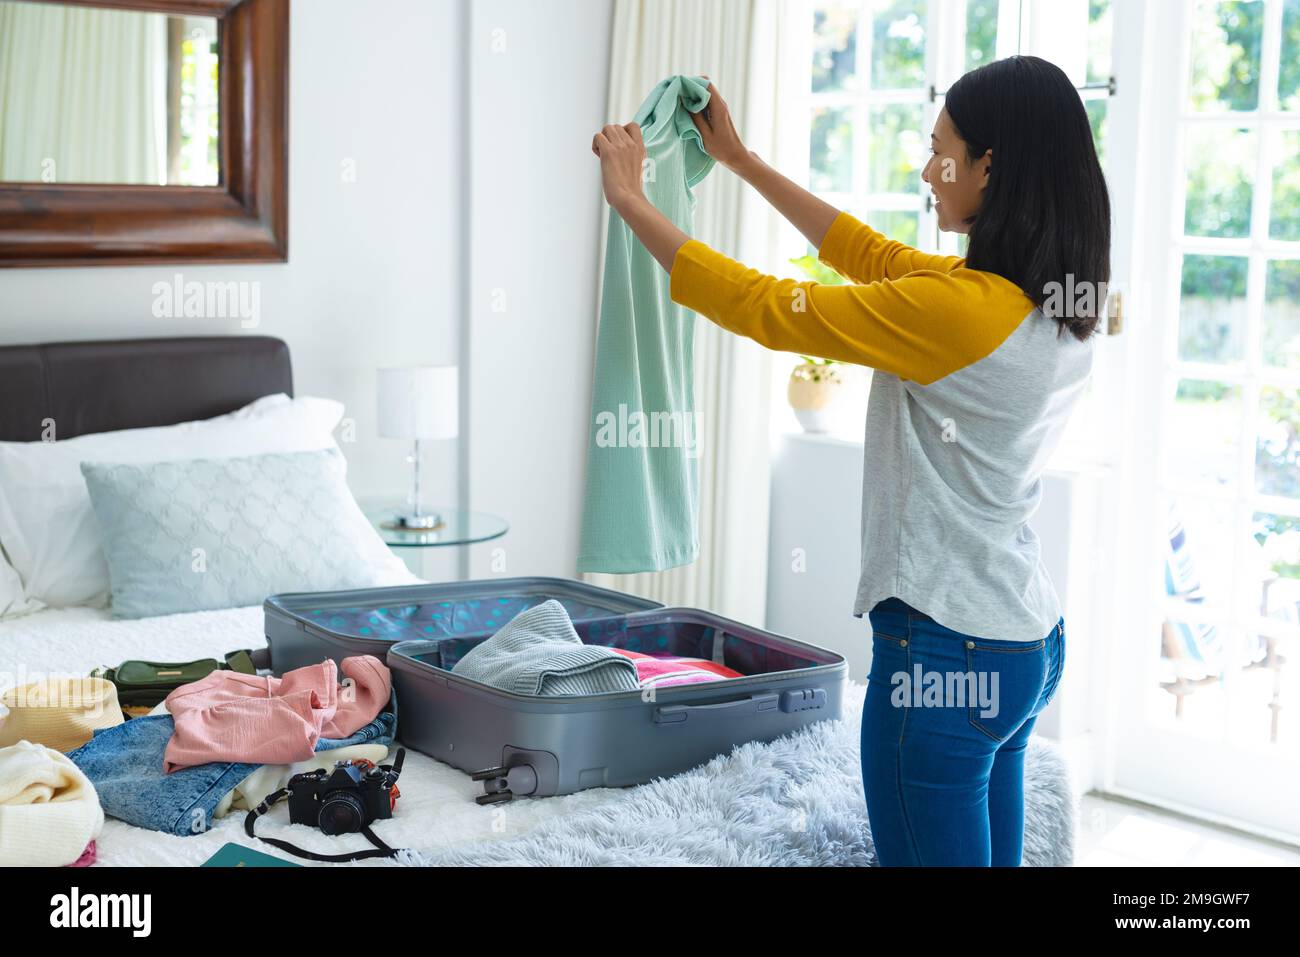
(735, 43)
(84, 88)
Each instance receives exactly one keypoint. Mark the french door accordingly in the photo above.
(1206, 656)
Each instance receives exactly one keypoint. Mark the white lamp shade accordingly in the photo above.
(419, 403)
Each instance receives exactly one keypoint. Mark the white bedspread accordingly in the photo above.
(435, 812)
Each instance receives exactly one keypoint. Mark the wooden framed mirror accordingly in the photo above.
(112, 149)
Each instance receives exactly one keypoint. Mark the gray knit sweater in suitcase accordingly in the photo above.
(539, 653)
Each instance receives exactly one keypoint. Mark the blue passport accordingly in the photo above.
(236, 855)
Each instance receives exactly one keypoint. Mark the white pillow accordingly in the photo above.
(47, 526)
(12, 600)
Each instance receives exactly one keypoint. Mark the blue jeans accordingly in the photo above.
(125, 764)
(944, 729)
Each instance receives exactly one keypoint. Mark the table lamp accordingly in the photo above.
(416, 404)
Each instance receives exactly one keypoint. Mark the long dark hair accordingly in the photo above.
(1045, 215)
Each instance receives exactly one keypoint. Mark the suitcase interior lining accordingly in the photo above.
(431, 620)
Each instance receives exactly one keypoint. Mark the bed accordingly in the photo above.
(794, 801)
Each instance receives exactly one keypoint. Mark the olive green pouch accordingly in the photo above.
(147, 683)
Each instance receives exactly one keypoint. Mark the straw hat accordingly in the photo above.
(60, 713)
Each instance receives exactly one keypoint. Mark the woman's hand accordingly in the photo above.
(622, 163)
(721, 141)
(622, 169)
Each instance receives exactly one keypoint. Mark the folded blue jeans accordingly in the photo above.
(944, 728)
(125, 764)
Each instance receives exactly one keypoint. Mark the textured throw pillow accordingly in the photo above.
(47, 529)
(223, 533)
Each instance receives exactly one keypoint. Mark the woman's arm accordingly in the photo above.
(846, 245)
(808, 214)
(854, 249)
(921, 327)
(622, 155)
(858, 252)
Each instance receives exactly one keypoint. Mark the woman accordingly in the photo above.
(978, 365)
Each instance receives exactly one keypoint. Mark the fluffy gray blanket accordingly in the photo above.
(796, 801)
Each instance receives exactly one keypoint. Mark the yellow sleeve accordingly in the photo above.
(921, 327)
(857, 252)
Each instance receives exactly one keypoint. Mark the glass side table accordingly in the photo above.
(459, 527)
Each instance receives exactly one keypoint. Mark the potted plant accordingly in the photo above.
(816, 385)
(815, 388)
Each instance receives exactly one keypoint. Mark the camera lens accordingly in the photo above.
(341, 813)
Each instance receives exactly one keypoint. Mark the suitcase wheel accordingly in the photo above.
(502, 784)
(496, 785)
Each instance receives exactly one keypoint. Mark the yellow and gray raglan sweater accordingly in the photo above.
(972, 392)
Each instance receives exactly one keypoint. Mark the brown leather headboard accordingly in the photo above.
(134, 383)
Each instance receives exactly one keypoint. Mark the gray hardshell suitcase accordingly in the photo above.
(521, 745)
(306, 628)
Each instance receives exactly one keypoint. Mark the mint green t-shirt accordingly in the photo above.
(641, 511)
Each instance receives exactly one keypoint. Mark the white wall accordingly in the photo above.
(539, 88)
(373, 263)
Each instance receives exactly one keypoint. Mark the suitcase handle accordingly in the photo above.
(754, 704)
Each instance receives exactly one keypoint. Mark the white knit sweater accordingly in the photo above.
(49, 811)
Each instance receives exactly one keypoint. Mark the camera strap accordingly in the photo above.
(381, 849)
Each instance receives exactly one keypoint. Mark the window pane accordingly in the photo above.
(895, 150)
(1225, 55)
(831, 156)
(1212, 314)
(1257, 693)
(1284, 223)
(1097, 120)
(1220, 180)
(1279, 542)
(1199, 565)
(1288, 80)
(835, 46)
(1204, 423)
(898, 45)
(1277, 453)
(1282, 314)
(901, 226)
(1099, 41)
(981, 32)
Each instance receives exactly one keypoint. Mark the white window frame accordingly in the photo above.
(1241, 786)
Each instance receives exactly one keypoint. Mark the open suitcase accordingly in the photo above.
(521, 745)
